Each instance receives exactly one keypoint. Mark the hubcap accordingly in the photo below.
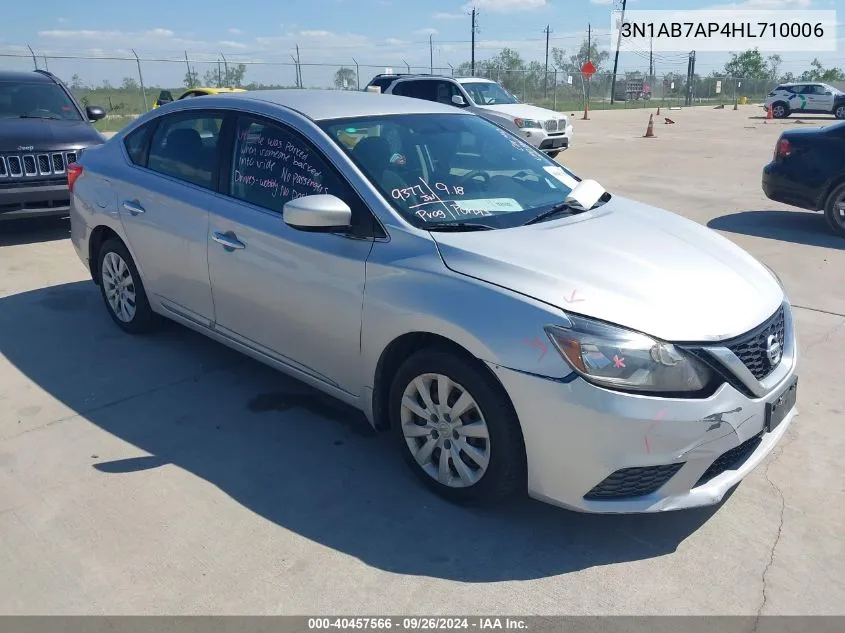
(840, 112)
(778, 110)
(119, 287)
(839, 211)
(445, 430)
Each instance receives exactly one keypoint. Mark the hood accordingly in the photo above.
(46, 134)
(629, 264)
(524, 111)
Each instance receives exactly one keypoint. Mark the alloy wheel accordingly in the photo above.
(779, 111)
(445, 430)
(119, 287)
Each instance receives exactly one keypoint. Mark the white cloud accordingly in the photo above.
(61, 20)
(762, 4)
(160, 33)
(231, 44)
(602, 1)
(392, 41)
(505, 6)
(448, 16)
(426, 32)
(316, 33)
(235, 31)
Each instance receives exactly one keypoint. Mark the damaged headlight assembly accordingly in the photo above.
(621, 359)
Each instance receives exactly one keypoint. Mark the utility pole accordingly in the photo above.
(298, 68)
(616, 56)
(651, 58)
(589, 58)
(188, 66)
(690, 77)
(431, 52)
(472, 59)
(546, 74)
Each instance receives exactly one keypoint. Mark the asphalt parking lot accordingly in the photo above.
(169, 475)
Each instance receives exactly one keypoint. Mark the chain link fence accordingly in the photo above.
(128, 86)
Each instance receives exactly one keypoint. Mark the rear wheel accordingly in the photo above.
(122, 289)
(456, 428)
(834, 210)
(780, 110)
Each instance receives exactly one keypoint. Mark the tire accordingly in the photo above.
(465, 479)
(131, 311)
(553, 154)
(780, 110)
(839, 111)
(835, 218)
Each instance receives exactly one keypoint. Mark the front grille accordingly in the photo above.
(751, 348)
(32, 165)
(730, 459)
(633, 482)
(551, 126)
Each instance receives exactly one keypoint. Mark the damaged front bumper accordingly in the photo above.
(595, 450)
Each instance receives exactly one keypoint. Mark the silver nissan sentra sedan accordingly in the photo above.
(515, 326)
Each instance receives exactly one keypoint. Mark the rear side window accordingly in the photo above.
(136, 145)
(423, 89)
(184, 146)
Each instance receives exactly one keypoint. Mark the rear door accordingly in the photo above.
(164, 208)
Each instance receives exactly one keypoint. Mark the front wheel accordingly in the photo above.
(839, 111)
(457, 428)
(834, 210)
(553, 155)
(780, 110)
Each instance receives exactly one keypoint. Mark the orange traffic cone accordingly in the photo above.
(769, 114)
(649, 133)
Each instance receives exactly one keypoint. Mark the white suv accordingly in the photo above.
(545, 129)
(806, 97)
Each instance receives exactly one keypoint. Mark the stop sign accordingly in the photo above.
(588, 69)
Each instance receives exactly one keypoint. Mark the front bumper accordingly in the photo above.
(577, 435)
(34, 200)
(545, 141)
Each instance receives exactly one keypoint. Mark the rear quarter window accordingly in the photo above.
(136, 144)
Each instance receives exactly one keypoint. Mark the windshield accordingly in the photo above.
(486, 93)
(35, 100)
(453, 168)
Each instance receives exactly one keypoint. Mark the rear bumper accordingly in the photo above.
(34, 201)
(780, 185)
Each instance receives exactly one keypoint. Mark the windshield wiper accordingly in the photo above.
(558, 208)
(457, 226)
(29, 116)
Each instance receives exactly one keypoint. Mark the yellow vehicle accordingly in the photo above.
(165, 96)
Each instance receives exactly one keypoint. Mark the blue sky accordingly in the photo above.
(378, 33)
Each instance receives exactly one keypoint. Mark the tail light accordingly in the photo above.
(782, 149)
(74, 171)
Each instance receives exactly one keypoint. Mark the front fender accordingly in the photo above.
(409, 289)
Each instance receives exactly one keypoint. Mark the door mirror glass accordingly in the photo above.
(459, 101)
(321, 212)
(95, 113)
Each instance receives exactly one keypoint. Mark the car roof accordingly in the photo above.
(321, 105)
(211, 90)
(18, 76)
(470, 80)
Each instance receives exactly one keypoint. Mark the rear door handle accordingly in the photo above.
(133, 207)
(229, 241)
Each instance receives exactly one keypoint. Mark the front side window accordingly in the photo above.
(486, 93)
(436, 168)
(36, 101)
(184, 146)
(272, 166)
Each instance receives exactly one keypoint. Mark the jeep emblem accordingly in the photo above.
(26, 148)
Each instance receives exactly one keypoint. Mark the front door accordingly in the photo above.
(293, 295)
(164, 210)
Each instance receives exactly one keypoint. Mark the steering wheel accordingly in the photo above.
(475, 173)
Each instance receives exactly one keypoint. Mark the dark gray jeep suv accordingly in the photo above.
(43, 128)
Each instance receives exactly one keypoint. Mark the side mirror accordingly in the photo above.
(828, 92)
(319, 213)
(458, 100)
(94, 113)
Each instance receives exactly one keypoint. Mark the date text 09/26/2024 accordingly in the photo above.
(416, 623)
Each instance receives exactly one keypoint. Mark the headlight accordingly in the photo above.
(618, 358)
(526, 123)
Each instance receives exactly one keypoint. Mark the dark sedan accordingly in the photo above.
(808, 171)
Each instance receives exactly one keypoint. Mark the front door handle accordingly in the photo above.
(228, 240)
(133, 207)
